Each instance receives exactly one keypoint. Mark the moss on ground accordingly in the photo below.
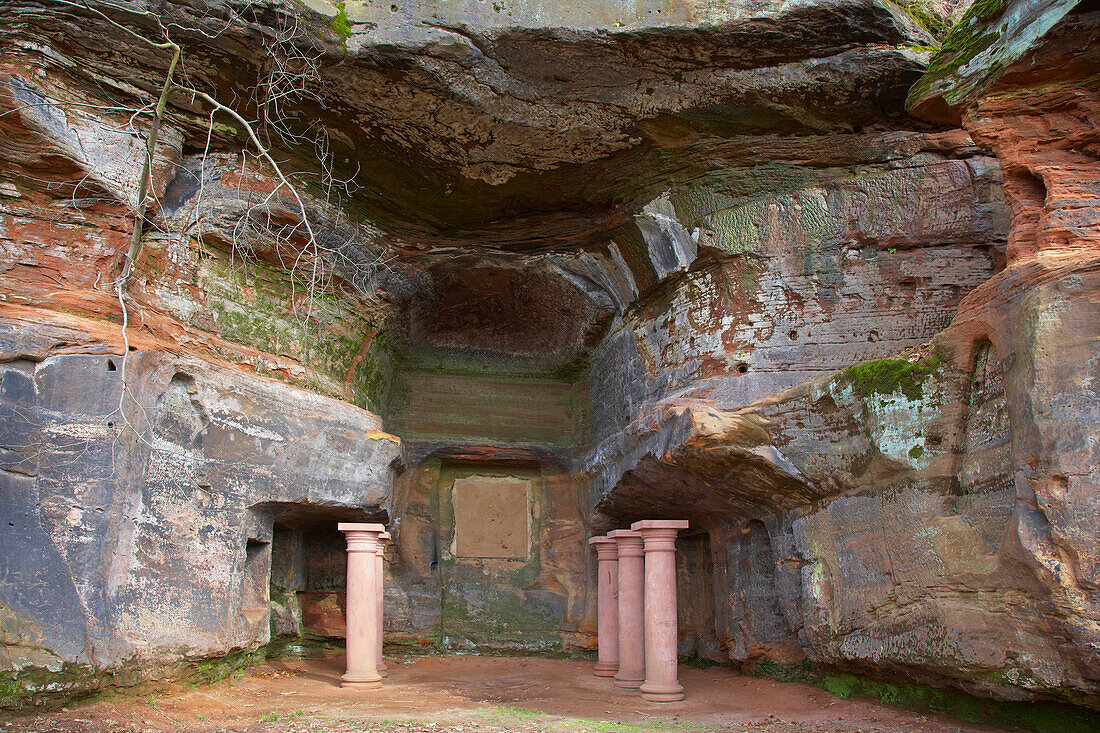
(516, 718)
(38, 686)
(215, 669)
(1039, 717)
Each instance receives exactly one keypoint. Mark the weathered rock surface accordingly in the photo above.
(686, 260)
(914, 515)
(519, 127)
(138, 529)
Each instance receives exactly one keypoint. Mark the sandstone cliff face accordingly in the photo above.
(680, 261)
(929, 524)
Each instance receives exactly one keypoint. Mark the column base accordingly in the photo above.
(628, 684)
(362, 681)
(661, 692)
(382, 670)
(605, 669)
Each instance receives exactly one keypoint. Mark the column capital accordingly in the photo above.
(628, 543)
(659, 534)
(361, 527)
(606, 548)
(361, 536)
(676, 524)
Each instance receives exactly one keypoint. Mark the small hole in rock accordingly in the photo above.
(792, 334)
(110, 424)
(742, 368)
(111, 365)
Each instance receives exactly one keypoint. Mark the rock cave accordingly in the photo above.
(821, 278)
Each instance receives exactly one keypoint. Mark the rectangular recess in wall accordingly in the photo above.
(492, 517)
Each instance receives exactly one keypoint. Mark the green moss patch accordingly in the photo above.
(341, 26)
(37, 686)
(307, 645)
(42, 687)
(259, 305)
(887, 376)
(215, 669)
(1040, 717)
(45, 687)
(928, 15)
(962, 43)
(803, 672)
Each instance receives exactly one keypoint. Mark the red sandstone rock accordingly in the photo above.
(632, 264)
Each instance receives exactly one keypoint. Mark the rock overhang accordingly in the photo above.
(546, 134)
(995, 44)
(546, 118)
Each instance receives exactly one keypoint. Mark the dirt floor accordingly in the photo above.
(479, 695)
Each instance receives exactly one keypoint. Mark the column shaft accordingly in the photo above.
(380, 571)
(631, 672)
(661, 630)
(607, 608)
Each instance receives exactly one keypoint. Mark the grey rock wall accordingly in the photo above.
(152, 542)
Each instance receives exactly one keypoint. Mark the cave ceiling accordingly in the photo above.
(476, 141)
(461, 126)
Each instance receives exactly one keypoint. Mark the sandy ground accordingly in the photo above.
(479, 695)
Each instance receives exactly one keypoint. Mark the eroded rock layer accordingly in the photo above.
(507, 275)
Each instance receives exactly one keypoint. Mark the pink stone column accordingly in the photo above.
(631, 672)
(607, 608)
(361, 613)
(383, 540)
(661, 632)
